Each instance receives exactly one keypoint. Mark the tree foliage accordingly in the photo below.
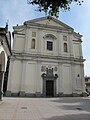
(53, 7)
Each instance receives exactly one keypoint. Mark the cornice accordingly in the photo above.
(29, 56)
(77, 35)
(79, 40)
(52, 19)
(45, 26)
(19, 27)
(18, 33)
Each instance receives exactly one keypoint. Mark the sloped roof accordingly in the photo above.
(52, 23)
(38, 20)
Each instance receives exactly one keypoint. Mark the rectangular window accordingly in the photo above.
(33, 34)
(65, 38)
(49, 45)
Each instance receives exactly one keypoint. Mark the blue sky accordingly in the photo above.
(18, 11)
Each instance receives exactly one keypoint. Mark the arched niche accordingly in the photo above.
(33, 44)
(2, 70)
(65, 47)
(3, 61)
(49, 36)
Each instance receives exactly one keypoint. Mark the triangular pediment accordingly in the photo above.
(51, 22)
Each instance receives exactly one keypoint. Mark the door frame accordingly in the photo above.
(50, 91)
(44, 86)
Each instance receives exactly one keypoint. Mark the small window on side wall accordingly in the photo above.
(33, 44)
(65, 47)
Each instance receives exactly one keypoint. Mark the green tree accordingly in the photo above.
(53, 7)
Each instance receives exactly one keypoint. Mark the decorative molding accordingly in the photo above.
(55, 68)
(77, 35)
(79, 40)
(28, 56)
(49, 74)
(34, 22)
(19, 33)
(49, 36)
(43, 68)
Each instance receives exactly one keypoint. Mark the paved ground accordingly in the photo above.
(45, 109)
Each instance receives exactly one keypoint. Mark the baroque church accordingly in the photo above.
(46, 61)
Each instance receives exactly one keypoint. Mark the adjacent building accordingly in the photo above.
(87, 83)
(5, 52)
(46, 60)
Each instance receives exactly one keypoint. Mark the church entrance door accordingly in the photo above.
(49, 83)
(49, 88)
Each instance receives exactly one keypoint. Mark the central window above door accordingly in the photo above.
(50, 45)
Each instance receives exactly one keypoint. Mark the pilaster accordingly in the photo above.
(60, 86)
(26, 39)
(8, 93)
(59, 41)
(22, 90)
(73, 78)
(38, 80)
(70, 44)
(39, 42)
(82, 78)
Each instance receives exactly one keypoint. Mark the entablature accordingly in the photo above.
(47, 57)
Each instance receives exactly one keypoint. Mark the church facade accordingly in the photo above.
(46, 60)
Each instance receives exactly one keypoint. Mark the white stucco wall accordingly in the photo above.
(16, 76)
(19, 43)
(30, 80)
(66, 81)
